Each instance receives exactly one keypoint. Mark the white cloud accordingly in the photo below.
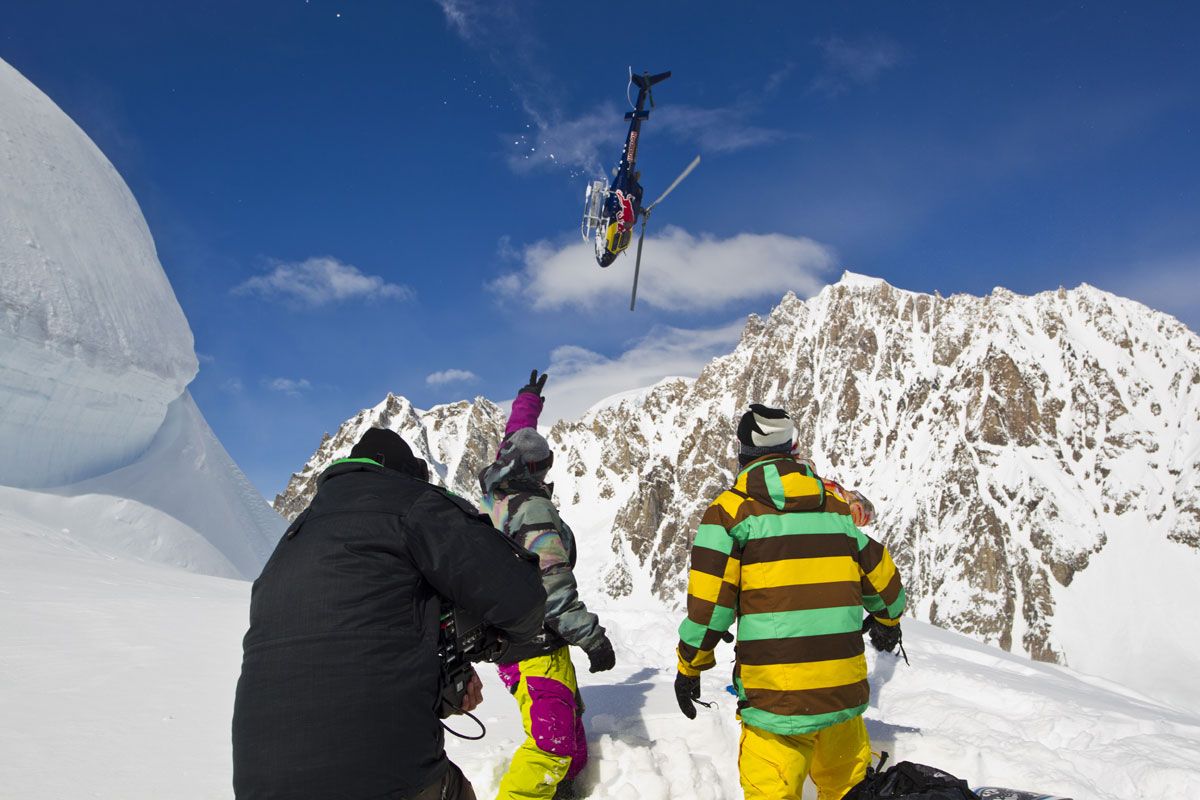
(580, 378)
(289, 386)
(856, 63)
(590, 142)
(232, 386)
(583, 143)
(321, 281)
(680, 272)
(587, 143)
(450, 376)
(490, 25)
(777, 78)
(715, 130)
(1168, 284)
(460, 15)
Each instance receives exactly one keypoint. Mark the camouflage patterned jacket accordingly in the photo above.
(530, 519)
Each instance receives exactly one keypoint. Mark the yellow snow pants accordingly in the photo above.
(555, 745)
(773, 767)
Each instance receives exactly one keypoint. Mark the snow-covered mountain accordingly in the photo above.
(457, 440)
(99, 437)
(1036, 461)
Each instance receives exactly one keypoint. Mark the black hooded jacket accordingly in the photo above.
(339, 688)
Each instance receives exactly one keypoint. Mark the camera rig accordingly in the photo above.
(463, 639)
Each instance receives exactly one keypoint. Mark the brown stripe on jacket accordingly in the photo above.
(800, 649)
(835, 505)
(892, 591)
(800, 598)
(756, 487)
(754, 507)
(710, 562)
(799, 545)
(710, 640)
(700, 611)
(871, 555)
(810, 701)
(716, 514)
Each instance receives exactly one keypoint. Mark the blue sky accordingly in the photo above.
(356, 197)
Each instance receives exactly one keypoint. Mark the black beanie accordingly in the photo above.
(388, 449)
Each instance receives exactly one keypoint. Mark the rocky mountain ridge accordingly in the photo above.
(1005, 439)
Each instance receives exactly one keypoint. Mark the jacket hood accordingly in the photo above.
(781, 482)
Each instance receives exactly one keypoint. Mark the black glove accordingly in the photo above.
(601, 656)
(687, 690)
(535, 384)
(884, 638)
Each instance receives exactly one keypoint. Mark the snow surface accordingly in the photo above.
(93, 344)
(858, 279)
(184, 503)
(101, 442)
(119, 679)
(632, 396)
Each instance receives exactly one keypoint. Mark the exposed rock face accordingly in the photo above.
(1003, 439)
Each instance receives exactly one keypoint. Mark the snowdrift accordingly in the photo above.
(93, 344)
(183, 503)
(101, 442)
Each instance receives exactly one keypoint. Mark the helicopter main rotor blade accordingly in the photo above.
(637, 265)
(688, 171)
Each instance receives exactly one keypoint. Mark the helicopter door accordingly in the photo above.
(594, 218)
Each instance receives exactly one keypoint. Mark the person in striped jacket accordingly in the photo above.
(780, 554)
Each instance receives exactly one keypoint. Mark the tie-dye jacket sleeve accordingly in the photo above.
(534, 523)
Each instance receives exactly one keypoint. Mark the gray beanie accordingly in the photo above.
(524, 456)
(532, 450)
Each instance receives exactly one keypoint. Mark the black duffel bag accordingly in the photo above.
(909, 781)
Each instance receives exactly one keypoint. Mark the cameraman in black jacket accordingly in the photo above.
(339, 690)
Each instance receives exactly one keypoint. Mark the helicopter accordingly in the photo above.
(611, 211)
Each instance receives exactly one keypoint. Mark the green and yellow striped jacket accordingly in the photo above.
(780, 553)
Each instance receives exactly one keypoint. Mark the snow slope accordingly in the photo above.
(93, 344)
(99, 439)
(183, 503)
(119, 680)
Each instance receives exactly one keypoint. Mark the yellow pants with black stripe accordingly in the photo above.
(773, 767)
